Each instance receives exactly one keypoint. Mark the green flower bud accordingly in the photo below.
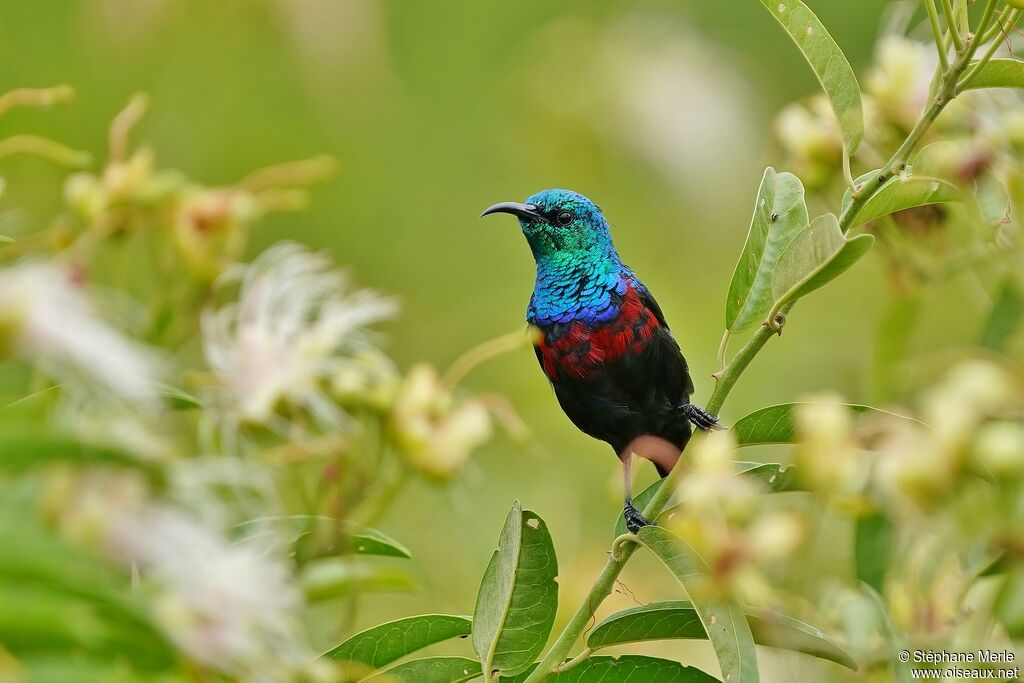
(999, 448)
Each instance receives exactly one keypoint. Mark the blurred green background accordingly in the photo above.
(660, 111)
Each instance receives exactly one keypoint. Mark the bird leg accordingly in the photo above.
(634, 520)
(700, 417)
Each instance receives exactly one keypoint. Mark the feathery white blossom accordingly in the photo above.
(47, 317)
(296, 324)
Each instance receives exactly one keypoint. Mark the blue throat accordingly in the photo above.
(572, 286)
(579, 273)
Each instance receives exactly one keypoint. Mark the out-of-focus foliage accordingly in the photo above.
(194, 463)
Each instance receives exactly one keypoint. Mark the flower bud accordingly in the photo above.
(86, 196)
(900, 78)
(825, 452)
(776, 536)
(999, 448)
(211, 226)
(435, 434)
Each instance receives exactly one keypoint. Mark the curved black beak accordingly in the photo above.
(514, 208)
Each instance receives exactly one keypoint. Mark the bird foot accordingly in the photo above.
(701, 418)
(634, 520)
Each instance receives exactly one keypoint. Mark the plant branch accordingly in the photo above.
(728, 376)
(954, 28)
(1003, 25)
(999, 28)
(933, 17)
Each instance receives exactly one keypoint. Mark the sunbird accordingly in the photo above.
(602, 339)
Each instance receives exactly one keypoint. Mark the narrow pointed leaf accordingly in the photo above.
(335, 577)
(625, 669)
(999, 73)
(873, 539)
(677, 619)
(1006, 316)
(1009, 607)
(776, 478)
(828, 63)
(179, 399)
(905, 192)
(383, 644)
(518, 597)
(51, 668)
(893, 341)
(22, 449)
(432, 669)
(368, 541)
(775, 424)
(722, 617)
(817, 255)
(779, 214)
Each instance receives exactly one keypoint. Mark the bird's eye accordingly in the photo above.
(564, 218)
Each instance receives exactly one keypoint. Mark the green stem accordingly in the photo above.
(933, 17)
(1003, 25)
(728, 377)
(972, 73)
(954, 28)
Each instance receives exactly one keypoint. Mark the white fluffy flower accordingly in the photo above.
(295, 325)
(231, 607)
(46, 317)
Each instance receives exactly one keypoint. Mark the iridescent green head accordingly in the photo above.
(579, 274)
(561, 225)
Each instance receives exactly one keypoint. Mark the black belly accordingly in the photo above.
(635, 395)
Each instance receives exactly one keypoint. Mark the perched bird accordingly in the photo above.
(603, 341)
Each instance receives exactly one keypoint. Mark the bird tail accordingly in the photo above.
(662, 471)
(669, 457)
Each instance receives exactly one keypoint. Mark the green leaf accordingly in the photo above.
(336, 577)
(775, 477)
(722, 617)
(518, 597)
(1005, 318)
(893, 340)
(1009, 607)
(872, 548)
(383, 644)
(816, 256)
(179, 399)
(829, 64)
(359, 540)
(625, 669)
(432, 669)
(55, 593)
(366, 541)
(779, 214)
(62, 668)
(903, 192)
(19, 451)
(999, 73)
(677, 619)
(775, 424)
(993, 199)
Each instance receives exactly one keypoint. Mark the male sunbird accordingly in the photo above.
(603, 341)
